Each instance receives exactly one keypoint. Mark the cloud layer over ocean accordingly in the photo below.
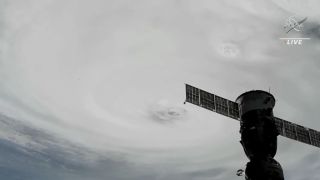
(95, 90)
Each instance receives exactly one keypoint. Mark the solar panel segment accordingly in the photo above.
(192, 95)
(298, 132)
(207, 100)
(222, 105)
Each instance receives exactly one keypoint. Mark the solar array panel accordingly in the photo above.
(212, 102)
(229, 108)
(298, 132)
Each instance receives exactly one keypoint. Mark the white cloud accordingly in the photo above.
(100, 73)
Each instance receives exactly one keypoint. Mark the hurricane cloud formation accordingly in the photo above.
(95, 90)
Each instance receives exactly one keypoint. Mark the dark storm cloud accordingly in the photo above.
(38, 141)
(44, 158)
(51, 158)
(312, 30)
(18, 162)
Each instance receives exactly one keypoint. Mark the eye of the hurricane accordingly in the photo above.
(167, 114)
